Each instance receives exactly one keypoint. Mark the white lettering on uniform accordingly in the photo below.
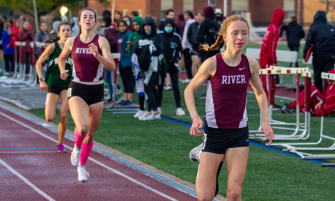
(243, 79)
(228, 79)
(77, 50)
(224, 79)
(238, 79)
(233, 79)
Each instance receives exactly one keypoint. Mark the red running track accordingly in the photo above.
(45, 174)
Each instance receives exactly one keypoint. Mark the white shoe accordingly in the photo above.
(157, 116)
(187, 80)
(82, 173)
(195, 153)
(159, 111)
(75, 156)
(139, 114)
(180, 112)
(147, 117)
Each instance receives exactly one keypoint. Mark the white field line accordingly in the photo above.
(95, 161)
(26, 181)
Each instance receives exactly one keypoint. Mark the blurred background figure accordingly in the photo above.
(219, 15)
(75, 27)
(41, 36)
(99, 29)
(187, 48)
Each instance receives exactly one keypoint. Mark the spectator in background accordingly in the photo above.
(294, 34)
(25, 35)
(192, 34)
(169, 13)
(125, 65)
(321, 37)
(127, 19)
(23, 19)
(106, 12)
(181, 23)
(117, 17)
(99, 29)
(111, 36)
(41, 36)
(187, 48)
(8, 49)
(268, 49)
(2, 22)
(219, 15)
(172, 53)
(134, 14)
(15, 28)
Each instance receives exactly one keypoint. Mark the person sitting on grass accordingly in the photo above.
(316, 100)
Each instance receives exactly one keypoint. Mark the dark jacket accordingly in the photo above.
(153, 38)
(181, 23)
(111, 35)
(125, 57)
(172, 48)
(321, 36)
(26, 36)
(204, 28)
(162, 24)
(294, 33)
(192, 34)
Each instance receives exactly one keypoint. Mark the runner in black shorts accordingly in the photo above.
(55, 86)
(227, 77)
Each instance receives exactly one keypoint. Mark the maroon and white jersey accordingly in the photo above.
(226, 96)
(86, 68)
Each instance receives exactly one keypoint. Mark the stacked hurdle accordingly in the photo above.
(296, 127)
(291, 147)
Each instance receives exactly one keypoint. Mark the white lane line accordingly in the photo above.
(26, 181)
(95, 161)
(27, 152)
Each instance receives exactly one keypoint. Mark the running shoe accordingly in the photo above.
(195, 153)
(203, 96)
(61, 148)
(288, 110)
(121, 103)
(147, 117)
(127, 103)
(82, 173)
(157, 116)
(186, 80)
(276, 107)
(139, 113)
(168, 87)
(180, 112)
(75, 156)
(159, 111)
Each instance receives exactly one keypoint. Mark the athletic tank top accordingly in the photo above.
(86, 68)
(226, 95)
(53, 73)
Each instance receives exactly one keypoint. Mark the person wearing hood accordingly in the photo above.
(294, 33)
(172, 52)
(181, 23)
(168, 14)
(321, 37)
(137, 23)
(187, 48)
(219, 15)
(268, 50)
(148, 48)
(125, 64)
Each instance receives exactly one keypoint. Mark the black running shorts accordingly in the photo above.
(219, 140)
(91, 94)
(56, 90)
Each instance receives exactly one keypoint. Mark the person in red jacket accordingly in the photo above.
(15, 32)
(268, 50)
(25, 35)
(316, 100)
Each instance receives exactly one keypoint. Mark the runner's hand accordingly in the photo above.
(43, 86)
(196, 128)
(64, 75)
(94, 49)
(318, 106)
(268, 132)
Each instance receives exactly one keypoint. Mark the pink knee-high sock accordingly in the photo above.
(85, 153)
(78, 138)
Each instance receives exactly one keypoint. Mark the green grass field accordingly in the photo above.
(165, 145)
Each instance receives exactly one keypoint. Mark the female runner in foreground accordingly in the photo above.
(226, 134)
(55, 86)
(90, 54)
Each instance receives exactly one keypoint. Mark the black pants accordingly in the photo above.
(159, 91)
(9, 63)
(188, 62)
(173, 71)
(149, 89)
(322, 63)
(128, 79)
(26, 60)
(296, 49)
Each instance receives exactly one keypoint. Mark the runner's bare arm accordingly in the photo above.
(106, 59)
(46, 53)
(256, 85)
(63, 56)
(206, 70)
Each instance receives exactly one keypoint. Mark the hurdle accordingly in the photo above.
(299, 127)
(291, 147)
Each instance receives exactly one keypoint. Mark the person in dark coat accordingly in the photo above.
(321, 37)
(294, 34)
(168, 14)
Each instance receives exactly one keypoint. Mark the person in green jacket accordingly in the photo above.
(133, 38)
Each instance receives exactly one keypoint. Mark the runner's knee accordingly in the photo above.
(234, 192)
(83, 129)
(62, 116)
(205, 197)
